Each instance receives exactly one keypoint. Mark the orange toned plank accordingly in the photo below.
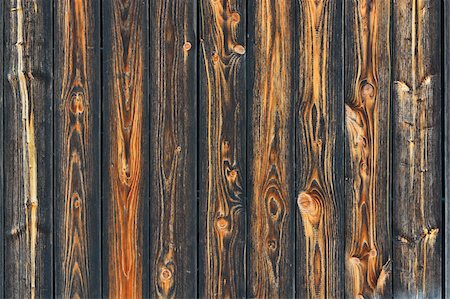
(271, 158)
(125, 123)
(319, 148)
(173, 68)
(367, 121)
(416, 167)
(77, 149)
(28, 149)
(222, 257)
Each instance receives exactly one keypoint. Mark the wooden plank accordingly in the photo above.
(77, 149)
(126, 148)
(173, 68)
(222, 153)
(2, 174)
(28, 149)
(271, 209)
(446, 104)
(367, 109)
(416, 176)
(319, 143)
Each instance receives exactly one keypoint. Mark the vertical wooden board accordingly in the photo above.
(126, 149)
(28, 149)
(446, 28)
(77, 149)
(173, 139)
(367, 109)
(222, 149)
(2, 174)
(416, 142)
(319, 151)
(271, 209)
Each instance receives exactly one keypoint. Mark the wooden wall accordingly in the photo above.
(225, 149)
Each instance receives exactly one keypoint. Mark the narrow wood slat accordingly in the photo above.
(126, 149)
(173, 68)
(416, 176)
(77, 149)
(271, 206)
(446, 104)
(367, 110)
(222, 149)
(319, 151)
(2, 174)
(28, 148)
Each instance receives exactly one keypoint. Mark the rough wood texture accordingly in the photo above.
(319, 143)
(2, 174)
(417, 155)
(173, 58)
(270, 181)
(367, 121)
(77, 149)
(126, 121)
(28, 139)
(446, 173)
(223, 169)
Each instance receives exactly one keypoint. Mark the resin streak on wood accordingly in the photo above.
(76, 151)
(416, 168)
(271, 180)
(223, 188)
(125, 195)
(367, 122)
(173, 152)
(317, 111)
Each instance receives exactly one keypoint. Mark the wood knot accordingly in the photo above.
(187, 46)
(239, 49)
(373, 253)
(166, 274)
(233, 174)
(178, 149)
(307, 204)
(77, 106)
(367, 89)
(272, 244)
(222, 223)
(235, 17)
(215, 58)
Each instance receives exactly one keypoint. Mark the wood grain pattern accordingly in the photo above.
(2, 174)
(173, 65)
(28, 188)
(270, 188)
(77, 127)
(446, 173)
(318, 144)
(223, 171)
(126, 146)
(367, 121)
(417, 158)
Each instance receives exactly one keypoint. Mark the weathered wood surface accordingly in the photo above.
(319, 143)
(367, 122)
(222, 116)
(271, 141)
(77, 149)
(28, 146)
(173, 68)
(125, 142)
(224, 148)
(416, 173)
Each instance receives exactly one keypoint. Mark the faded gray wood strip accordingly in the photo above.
(367, 73)
(446, 103)
(77, 149)
(28, 147)
(417, 158)
(173, 151)
(222, 118)
(2, 174)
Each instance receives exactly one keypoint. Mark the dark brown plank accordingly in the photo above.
(126, 148)
(77, 149)
(416, 176)
(271, 206)
(319, 144)
(222, 152)
(2, 174)
(446, 173)
(28, 148)
(367, 122)
(173, 151)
